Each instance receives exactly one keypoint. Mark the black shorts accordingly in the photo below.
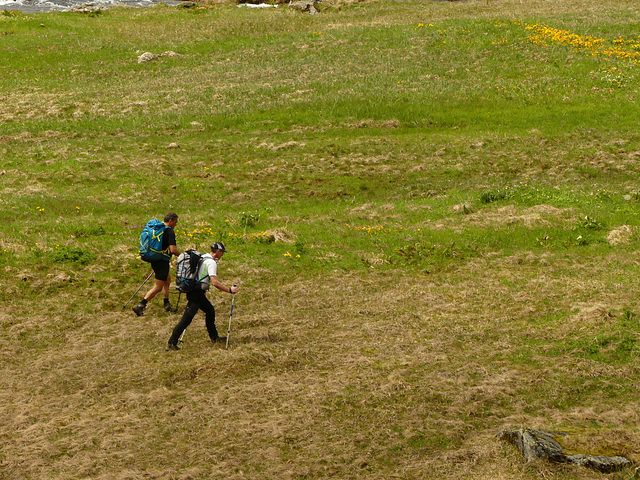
(161, 269)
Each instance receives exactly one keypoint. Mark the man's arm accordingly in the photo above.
(171, 241)
(214, 281)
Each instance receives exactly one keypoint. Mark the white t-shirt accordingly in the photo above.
(208, 268)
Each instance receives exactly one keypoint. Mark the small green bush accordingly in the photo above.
(70, 254)
(493, 196)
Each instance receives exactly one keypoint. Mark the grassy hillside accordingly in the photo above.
(431, 209)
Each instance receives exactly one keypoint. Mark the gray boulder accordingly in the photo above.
(305, 6)
(534, 444)
(150, 57)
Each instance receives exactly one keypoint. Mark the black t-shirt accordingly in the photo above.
(168, 238)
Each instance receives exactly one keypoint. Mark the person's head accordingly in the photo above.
(217, 250)
(171, 219)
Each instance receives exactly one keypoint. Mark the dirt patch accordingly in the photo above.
(621, 235)
(537, 216)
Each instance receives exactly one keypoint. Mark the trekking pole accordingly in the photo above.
(182, 336)
(137, 290)
(178, 302)
(230, 313)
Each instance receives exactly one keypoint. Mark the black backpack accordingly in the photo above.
(187, 269)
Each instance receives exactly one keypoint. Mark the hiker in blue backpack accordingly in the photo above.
(197, 299)
(157, 244)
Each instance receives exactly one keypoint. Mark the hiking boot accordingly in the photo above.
(139, 309)
(219, 339)
(168, 307)
(171, 346)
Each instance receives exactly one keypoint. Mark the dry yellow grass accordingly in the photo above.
(346, 376)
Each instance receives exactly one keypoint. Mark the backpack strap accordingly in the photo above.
(205, 272)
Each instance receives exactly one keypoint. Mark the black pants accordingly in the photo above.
(196, 300)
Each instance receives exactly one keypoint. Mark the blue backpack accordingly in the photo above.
(151, 242)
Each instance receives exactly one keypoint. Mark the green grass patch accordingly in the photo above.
(431, 209)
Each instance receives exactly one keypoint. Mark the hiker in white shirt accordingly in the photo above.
(197, 298)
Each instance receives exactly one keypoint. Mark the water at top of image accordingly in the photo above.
(33, 6)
